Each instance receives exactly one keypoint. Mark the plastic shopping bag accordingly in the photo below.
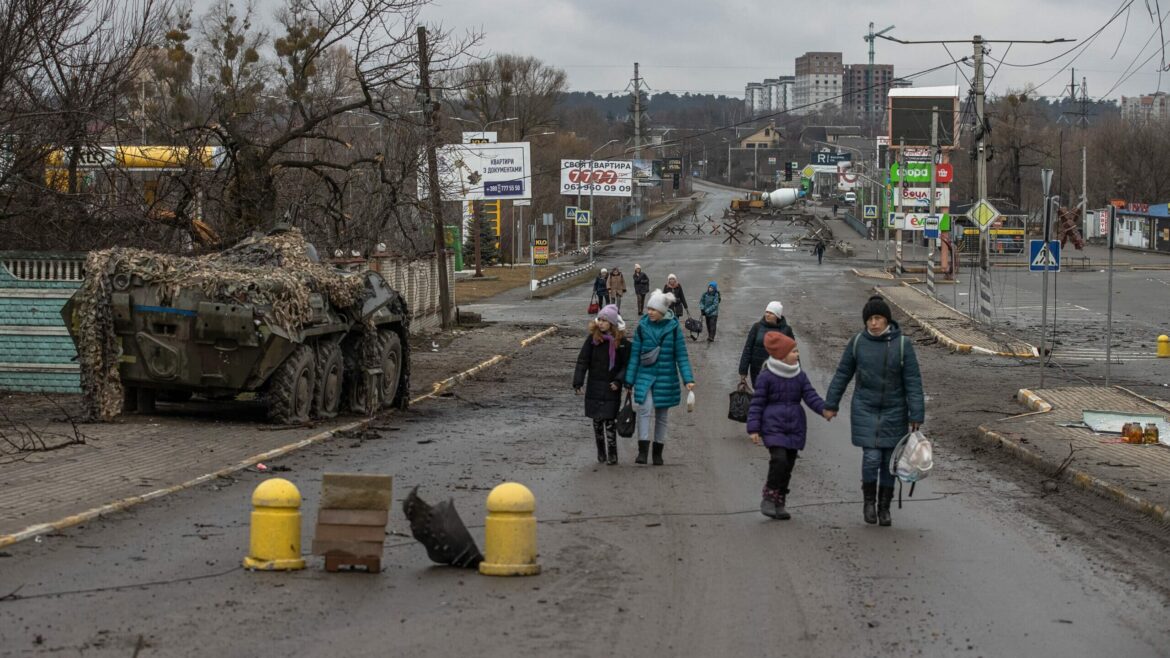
(690, 401)
(912, 458)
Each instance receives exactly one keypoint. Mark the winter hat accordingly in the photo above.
(660, 301)
(671, 276)
(637, 266)
(714, 285)
(778, 344)
(775, 308)
(609, 313)
(876, 306)
(603, 270)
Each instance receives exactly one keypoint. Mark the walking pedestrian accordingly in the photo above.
(601, 287)
(754, 354)
(709, 309)
(658, 357)
(641, 286)
(673, 287)
(834, 210)
(819, 250)
(600, 366)
(887, 401)
(616, 285)
(776, 419)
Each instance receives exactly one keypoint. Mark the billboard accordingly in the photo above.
(674, 165)
(597, 177)
(473, 172)
(911, 114)
(919, 197)
(918, 172)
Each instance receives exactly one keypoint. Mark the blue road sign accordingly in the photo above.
(1043, 257)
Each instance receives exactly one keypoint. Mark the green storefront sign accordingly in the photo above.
(916, 172)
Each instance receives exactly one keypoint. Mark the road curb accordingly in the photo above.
(1033, 401)
(126, 503)
(954, 345)
(1076, 476)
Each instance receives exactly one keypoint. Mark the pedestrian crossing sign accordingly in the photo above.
(584, 217)
(1044, 257)
(870, 212)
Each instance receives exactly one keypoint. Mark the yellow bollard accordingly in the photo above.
(275, 543)
(510, 532)
(1163, 346)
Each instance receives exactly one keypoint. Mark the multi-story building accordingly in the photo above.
(1146, 108)
(818, 82)
(865, 91)
(754, 100)
(771, 95)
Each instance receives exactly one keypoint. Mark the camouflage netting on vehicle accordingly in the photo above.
(274, 271)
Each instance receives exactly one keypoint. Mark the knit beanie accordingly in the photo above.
(775, 308)
(876, 306)
(714, 285)
(609, 313)
(660, 301)
(778, 344)
(603, 270)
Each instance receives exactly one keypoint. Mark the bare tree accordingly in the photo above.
(511, 87)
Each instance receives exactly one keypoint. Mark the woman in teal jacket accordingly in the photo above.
(887, 400)
(654, 378)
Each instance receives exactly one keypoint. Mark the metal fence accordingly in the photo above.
(561, 276)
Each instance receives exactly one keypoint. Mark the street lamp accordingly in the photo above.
(483, 126)
(593, 220)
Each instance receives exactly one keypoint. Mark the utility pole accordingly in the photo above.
(637, 147)
(477, 226)
(1046, 183)
(901, 203)
(986, 300)
(431, 111)
(933, 242)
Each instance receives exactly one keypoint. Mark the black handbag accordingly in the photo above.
(739, 403)
(627, 420)
(694, 326)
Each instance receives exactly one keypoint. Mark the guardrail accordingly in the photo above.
(559, 276)
(857, 225)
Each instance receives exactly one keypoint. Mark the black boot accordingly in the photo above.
(781, 513)
(643, 448)
(657, 454)
(885, 495)
(768, 503)
(869, 491)
(600, 450)
(611, 448)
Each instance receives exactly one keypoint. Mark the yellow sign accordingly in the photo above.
(540, 252)
(983, 213)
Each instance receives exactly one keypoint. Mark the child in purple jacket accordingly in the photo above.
(776, 419)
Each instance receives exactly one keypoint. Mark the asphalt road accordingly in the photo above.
(672, 560)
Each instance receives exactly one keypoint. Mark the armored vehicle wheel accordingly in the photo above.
(391, 366)
(290, 391)
(330, 377)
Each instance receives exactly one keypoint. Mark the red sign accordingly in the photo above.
(1139, 207)
(944, 173)
(601, 176)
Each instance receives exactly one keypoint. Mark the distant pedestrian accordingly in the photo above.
(834, 210)
(887, 400)
(616, 284)
(709, 308)
(819, 250)
(776, 419)
(601, 364)
(754, 354)
(673, 287)
(601, 287)
(641, 287)
(658, 357)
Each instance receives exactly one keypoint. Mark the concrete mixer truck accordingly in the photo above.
(762, 201)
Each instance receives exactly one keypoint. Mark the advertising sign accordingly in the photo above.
(919, 197)
(917, 221)
(917, 153)
(597, 177)
(917, 172)
(822, 158)
(646, 171)
(540, 251)
(846, 179)
(480, 137)
(673, 165)
(473, 172)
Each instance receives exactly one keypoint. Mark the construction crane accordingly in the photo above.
(869, 72)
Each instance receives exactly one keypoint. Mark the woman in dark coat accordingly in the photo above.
(641, 286)
(601, 364)
(887, 400)
(601, 287)
(673, 287)
(751, 361)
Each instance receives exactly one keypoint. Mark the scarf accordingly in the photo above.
(781, 369)
(612, 348)
(883, 333)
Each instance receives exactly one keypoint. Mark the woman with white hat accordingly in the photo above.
(751, 361)
(658, 358)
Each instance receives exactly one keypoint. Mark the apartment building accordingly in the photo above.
(818, 82)
(866, 89)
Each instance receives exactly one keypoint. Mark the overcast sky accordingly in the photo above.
(716, 46)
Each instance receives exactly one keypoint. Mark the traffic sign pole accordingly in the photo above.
(1046, 180)
(1109, 295)
(932, 241)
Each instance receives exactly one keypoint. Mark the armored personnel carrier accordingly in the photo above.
(262, 317)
